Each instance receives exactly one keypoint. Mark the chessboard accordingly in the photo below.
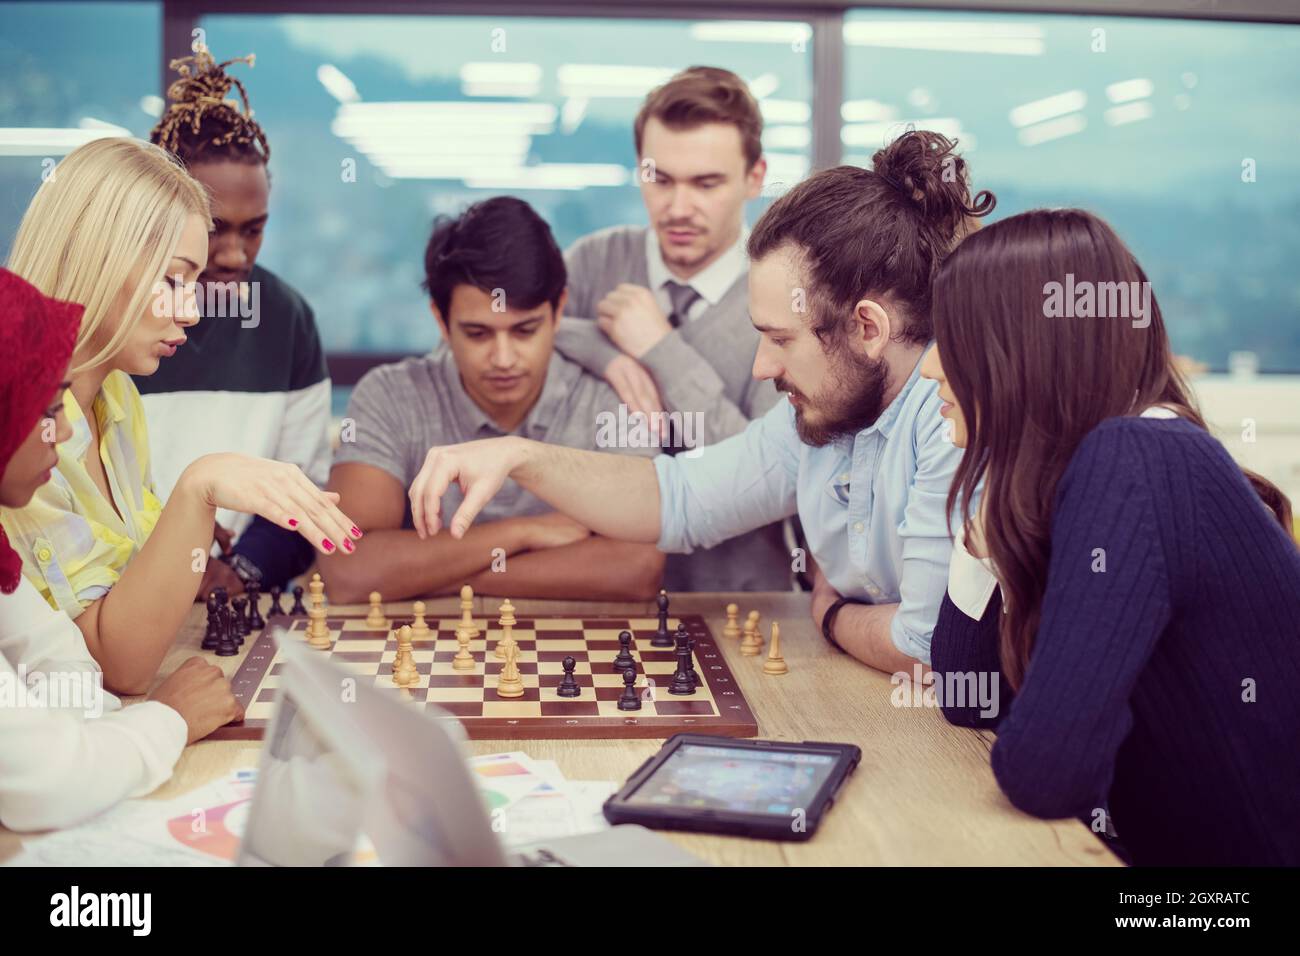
(718, 706)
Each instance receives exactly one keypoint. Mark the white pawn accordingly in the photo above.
(375, 618)
(420, 627)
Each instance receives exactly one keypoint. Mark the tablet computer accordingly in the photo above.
(756, 788)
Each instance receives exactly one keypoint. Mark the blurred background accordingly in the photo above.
(1181, 131)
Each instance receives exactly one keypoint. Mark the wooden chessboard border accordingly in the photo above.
(718, 676)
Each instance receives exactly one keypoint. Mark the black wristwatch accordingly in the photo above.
(828, 622)
(244, 569)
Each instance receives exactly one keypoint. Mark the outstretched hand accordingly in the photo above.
(480, 468)
(277, 491)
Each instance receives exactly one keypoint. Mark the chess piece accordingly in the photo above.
(419, 627)
(241, 618)
(750, 642)
(464, 660)
(732, 628)
(297, 610)
(630, 699)
(507, 622)
(211, 634)
(775, 663)
(695, 675)
(467, 612)
(662, 638)
(568, 686)
(227, 643)
(405, 673)
(376, 617)
(318, 633)
(683, 684)
(624, 659)
(255, 620)
(275, 610)
(510, 684)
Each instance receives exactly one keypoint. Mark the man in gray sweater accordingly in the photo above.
(664, 310)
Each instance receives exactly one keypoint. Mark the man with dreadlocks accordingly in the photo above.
(257, 352)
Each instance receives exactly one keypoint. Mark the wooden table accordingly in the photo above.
(924, 793)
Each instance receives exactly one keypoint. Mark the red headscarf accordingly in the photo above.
(37, 336)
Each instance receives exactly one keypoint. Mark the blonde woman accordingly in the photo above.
(122, 229)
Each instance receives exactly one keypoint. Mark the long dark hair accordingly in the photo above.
(1032, 383)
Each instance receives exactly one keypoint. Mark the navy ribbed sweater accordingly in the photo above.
(1166, 687)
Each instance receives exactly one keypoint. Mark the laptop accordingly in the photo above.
(350, 775)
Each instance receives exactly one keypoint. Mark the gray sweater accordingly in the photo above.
(703, 366)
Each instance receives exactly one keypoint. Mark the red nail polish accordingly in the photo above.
(347, 545)
(327, 544)
(293, 522)
(356, 532)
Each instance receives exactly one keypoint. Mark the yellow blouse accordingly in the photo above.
(72, 541)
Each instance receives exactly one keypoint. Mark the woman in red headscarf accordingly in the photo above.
(57, 766)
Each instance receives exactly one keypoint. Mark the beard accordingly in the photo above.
(853, 398)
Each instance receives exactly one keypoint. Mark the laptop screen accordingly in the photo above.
(309, 799)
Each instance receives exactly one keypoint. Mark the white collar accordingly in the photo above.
(971, 581)
(712, 282)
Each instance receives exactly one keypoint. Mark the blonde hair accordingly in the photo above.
(108, 220)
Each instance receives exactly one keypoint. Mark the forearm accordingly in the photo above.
(580, 340)
(398, 564)
(690, 385)
(130, 629)
(614, 495)
(595, 569)
(863, 630)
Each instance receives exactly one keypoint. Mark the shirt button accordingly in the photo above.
(857, 526)
(44, 555)
(844, 478)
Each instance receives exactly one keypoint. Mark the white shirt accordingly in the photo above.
(971, 581)
(711, 283)
(60, 766)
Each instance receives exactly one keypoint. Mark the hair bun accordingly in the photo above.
(923, 167)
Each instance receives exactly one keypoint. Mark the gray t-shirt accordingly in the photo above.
(398, 412)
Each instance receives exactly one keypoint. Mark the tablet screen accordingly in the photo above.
(740, 780)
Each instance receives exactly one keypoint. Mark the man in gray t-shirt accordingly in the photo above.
(496, 283)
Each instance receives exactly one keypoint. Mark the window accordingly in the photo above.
(433, 113)
(70, 72)
(1180, 133)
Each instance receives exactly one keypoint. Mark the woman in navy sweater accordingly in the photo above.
(1134, 591)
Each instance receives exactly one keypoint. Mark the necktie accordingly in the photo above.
(682, 297)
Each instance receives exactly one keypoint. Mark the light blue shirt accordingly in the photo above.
(873, 505)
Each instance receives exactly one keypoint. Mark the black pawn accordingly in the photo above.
(629, 699)
(662, 638)
(241, 618)
(682, 684)
(297, 608)
(255, 621)
(275, 610)
(227, 643)
(624, 660)
(211, 635)
(568, 686)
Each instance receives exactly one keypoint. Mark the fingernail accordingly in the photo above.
(356, 532)
(293, 522)
(347, 545)
(327, 544)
